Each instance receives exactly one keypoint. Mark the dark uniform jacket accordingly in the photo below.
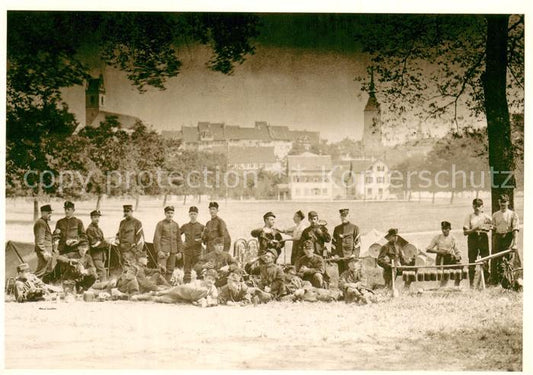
(215, 229)
(266, 240)
(217, 260)
(350, 277)
(73, 271)
(69, 229)
(43, 236)
(390, 253)
(318, 235)
(346, 240)
(130, 233)
(193, 238)
(315, 264)
(96, 237)
(167, 237)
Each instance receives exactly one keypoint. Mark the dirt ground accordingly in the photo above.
(466, 330)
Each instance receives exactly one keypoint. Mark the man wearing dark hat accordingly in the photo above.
(214, 229)
(192, 247)
(44, 247)
(167, 242)
(316, 233)
(218, 260)
(268, 236)
(69, 231)
(310, 267)
(390, 254)
(29, 287)
(346, 241)
(506, 225)
(130, 236)
(98, 246)
(78, 267)
(235, 292)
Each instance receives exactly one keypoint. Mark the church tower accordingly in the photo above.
(372, 120)
(94, 99)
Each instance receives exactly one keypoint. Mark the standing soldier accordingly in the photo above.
(98, 245)
(167, 242)
(130, 237)
(69, 232)
(476, 227)
(268, 236)
(506, 225)
(192, 249)
(346, 241)
(44, 248)
(317, 233)
(215, 229)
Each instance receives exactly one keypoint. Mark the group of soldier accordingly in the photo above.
(194, 263)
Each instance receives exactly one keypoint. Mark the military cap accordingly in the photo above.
(308, 244)
(219, 241)
(68, 204)
(193, 209)
(352, 260)
(503, 198)
(300, 214)
(273, 252)
(391, 232)
(213, 204)
(23, 267)
(95, 213)
(46, 208)
(169, 208)
(446, 225)
(83, 243)
(344, 211)
(268, 214)
(127, 207)
(312, 214)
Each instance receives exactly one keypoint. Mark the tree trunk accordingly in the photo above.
(477, 194)
(35, 209)
(501, 160)
(98, 201)
(433, 198)
(165, 199)
(184, 199)
(452, 196)
(137, 202)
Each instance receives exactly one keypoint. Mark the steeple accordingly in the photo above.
(94, 98)
(372, 117)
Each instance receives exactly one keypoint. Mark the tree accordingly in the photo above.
(441, 64)
(48, 51)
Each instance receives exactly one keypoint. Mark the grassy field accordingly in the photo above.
(464, 330)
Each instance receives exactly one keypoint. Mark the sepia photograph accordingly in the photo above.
(207, 190)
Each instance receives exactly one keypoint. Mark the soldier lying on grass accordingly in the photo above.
(29, 287)
(199, 292)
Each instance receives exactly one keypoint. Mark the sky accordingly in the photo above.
(302, 75)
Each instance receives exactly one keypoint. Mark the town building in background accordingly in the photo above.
(253, 159)
(309, 176)
(208, 136)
